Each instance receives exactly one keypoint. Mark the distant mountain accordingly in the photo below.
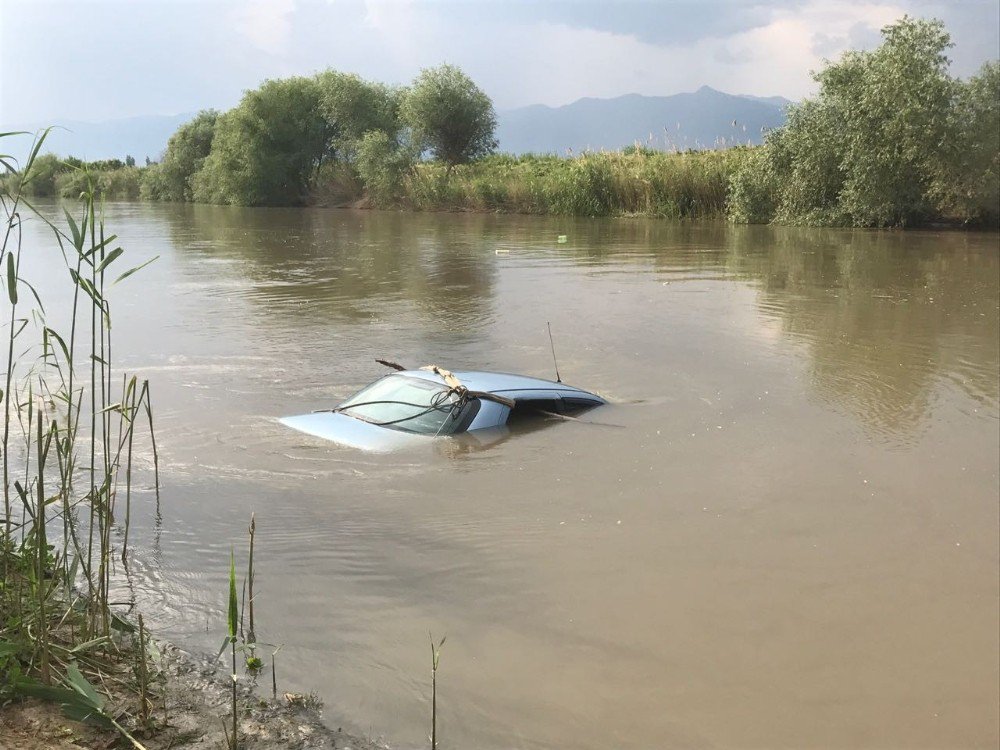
(113, 139)
(697, 120)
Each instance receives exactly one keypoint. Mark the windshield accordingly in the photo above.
(408, 404)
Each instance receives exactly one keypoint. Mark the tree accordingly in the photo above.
(186, 152)
(894, 103)
(42, 179)
(382, 163)
(266, 149)
(449, 116)
(969, 183)
(874, 148)
(351, 107)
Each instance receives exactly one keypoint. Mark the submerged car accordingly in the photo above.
(409, 406)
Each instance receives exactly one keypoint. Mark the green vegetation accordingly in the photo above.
(635, 182)
(266, 149)
(450, 116)
(891, 140)
(435, 662)
(70, 178)
(68, 438)
(187, 149)
(353, 107)
(383, 166)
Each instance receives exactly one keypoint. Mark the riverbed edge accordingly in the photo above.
(192, 709)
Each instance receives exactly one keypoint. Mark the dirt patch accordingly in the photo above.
(189, 710)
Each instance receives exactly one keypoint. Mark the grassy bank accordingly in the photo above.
(634, 182)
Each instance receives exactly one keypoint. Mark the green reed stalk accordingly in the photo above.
(41, 541)
(133, 408)
(152, 435)
(435, 660)
(143, 675)
(251, 634)
(274, 676)
(13, 269)
(233, 624)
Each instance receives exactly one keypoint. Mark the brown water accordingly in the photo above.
(793, 542)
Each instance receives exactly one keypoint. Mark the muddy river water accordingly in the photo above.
(783, 533)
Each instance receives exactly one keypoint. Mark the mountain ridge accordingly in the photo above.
(700, 119)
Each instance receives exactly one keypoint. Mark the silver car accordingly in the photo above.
(410, 406)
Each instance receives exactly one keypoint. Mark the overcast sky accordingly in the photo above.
(84, 60)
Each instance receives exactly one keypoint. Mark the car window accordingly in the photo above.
(409, 404)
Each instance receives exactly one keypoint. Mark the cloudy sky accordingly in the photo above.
(89, 60)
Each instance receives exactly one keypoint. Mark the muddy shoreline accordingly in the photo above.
(192, 708)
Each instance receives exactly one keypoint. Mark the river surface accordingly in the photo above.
(783, 531)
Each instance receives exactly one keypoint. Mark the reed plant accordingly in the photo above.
(435, 661)
(233, 616)
(243, 640)
(67, 447)
(632, 182)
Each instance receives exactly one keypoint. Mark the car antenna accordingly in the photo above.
(553, 347)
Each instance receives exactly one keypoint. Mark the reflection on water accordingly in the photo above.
(792, 542)
(334, 265)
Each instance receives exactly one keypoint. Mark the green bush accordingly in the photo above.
(640, 182)
(381, 164)
(890, 140)
(187, 149)
(266, 150)
(43, 175)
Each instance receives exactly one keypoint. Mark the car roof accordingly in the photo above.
(496, 382)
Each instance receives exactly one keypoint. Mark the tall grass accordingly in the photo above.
(68, 440)
(633, 182)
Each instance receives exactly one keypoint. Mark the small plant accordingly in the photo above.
(274, 676)
(435, 660)
(234, 617)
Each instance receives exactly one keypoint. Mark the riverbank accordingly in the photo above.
(190, 713)
(632, 182)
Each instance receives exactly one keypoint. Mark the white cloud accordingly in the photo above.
(521, 63)
(774, 58)
(266, 24)
(515, 55)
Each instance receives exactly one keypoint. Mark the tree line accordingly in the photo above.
(890, 139)
(290, 134)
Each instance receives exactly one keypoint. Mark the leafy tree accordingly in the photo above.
(44, 171)
(382, 164)
(129, 160)
(895, 104)
(186, 152)
(874, 148)
(351, 107)
(969, 184)
(450, 116)
(265, 149)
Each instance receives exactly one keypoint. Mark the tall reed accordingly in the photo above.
(638, 181)
(66, 442)
(435, 661)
